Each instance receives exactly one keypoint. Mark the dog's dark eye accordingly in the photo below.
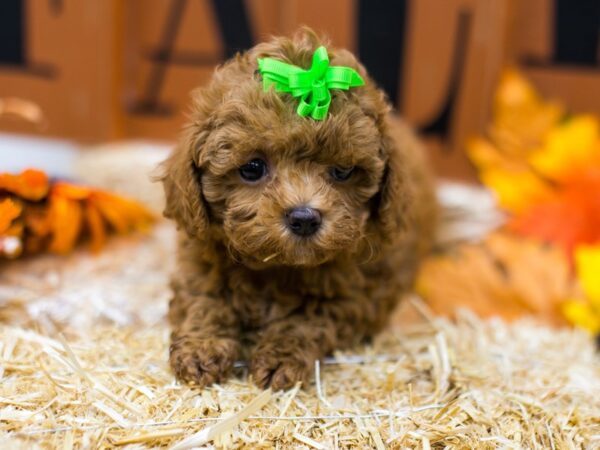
(253, 170)
(341, 173)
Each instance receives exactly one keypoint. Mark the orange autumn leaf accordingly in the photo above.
(95, 210)
(9, 211)
(37, 220)
(122, 214)
(485, 156)
(515, 191)
(16, 230)
(70, 190)
(31, 184)
(504, 275)
(66, 219)
(96, 227)
(520, 123)
(569, 218)
(35, 244)
(113, 211)
(521, 116)
(568, 149)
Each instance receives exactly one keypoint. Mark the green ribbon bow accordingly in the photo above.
(312, 85)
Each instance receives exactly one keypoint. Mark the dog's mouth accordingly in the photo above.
(287, 250)
(303, 254)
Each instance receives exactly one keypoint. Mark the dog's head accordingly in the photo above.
(280, 189)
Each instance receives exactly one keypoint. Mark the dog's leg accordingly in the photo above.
(205, 338)
(287, 349)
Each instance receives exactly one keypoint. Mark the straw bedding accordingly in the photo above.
(83, 364)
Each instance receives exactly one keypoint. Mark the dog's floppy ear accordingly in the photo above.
(391, 203)
(182, 171)
(181, 180)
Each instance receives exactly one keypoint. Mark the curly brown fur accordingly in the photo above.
(244, 282)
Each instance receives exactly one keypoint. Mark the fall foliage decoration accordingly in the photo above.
(504, 275)
(37, 215)
(543, 164)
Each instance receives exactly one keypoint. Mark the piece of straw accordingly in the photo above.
(208, 434)
(308, 441)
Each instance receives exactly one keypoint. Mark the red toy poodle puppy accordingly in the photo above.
(297, 236)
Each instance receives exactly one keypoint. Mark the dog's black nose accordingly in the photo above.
(303, 221)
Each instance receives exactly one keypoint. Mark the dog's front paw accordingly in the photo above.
(202, 361)
(280, 366)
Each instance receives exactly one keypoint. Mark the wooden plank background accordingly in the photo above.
(116, 69)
